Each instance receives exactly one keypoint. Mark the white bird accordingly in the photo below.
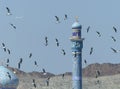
(13, 25)
(44, 72)
(30, 55)
(97, 73)
(113, 38)
(114, 50)
(3, 44)
(57, 42)
(63, 76)
(85, 61)
(65, 18)
(8, 74)
(98, 33)
(46, 41)
(21, 60)
(19, 65)
(35, 63)
(115, 29)
(8, 11)
(57, 19)
(88, 29)
(7, 62)
(8, 51)
(63, 52)
(91, 50)
(33, 83)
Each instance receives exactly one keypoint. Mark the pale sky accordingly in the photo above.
(35, 19)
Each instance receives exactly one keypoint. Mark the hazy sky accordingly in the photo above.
(34, 19)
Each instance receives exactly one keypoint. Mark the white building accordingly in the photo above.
(8, 80)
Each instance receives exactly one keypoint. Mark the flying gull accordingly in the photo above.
(98, 33)
(114, 28)
(21, 60)
(44, 72)
(35, 63)
(63, 52)
(57, 19)
(46, 41)
(91, 50)
(113, 38)
(34, 84)
(7, 62)
(9, 75)
(88, 29)
(65, 18)
(8, 11)
(30, 55)
(63, 76)
(13, 25)
(8, 51)
(85, 61)
(114, 50)
(3, 44)
(57, 43)
(19, 65)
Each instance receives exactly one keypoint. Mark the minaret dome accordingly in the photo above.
(76, 31)
(76, 25)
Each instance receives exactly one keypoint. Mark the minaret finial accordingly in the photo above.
(76, 17)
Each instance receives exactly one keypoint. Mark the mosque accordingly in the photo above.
(8, 80)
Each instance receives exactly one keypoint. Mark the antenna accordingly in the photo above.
(76, 17)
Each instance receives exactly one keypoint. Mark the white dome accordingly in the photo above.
(76, 25)
(8, 80)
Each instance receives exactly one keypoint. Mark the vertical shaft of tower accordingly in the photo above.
(77, 45)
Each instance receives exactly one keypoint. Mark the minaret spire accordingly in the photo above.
(77, 45)
(76, 18)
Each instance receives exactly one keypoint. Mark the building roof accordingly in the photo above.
(7, 78)
(76, 25)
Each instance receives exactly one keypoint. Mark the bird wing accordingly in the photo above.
(88, 29)
(91, 50)
(18, 65)
(98, 33)
(20, 60)
(114, 50)
(113, 38)
(57, 18)
(65, 17)
(3, 44)
(30, 55)
(8, 10)
(8, 51)
(114, 29)
(7, 60)
(56, 40)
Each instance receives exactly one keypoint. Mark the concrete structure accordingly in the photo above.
(77, 45)
(8, 80)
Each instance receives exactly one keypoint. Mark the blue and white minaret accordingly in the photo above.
(77, 45)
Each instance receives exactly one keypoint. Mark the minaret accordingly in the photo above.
(77, 45)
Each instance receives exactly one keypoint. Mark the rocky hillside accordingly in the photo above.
(105, 69)
(109, 78)
(89, 71)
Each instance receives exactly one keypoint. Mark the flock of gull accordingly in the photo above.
(98, 72)
(5, 49)
(99, 35)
